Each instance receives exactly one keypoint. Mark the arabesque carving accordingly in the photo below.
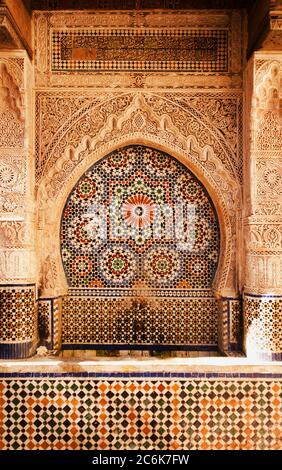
(156, 116)
(13, 233)
(13, 173)
(17, 265)
(10, 95)
(11, 105)
(264, 230)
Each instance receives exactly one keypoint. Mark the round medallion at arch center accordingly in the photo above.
(138, 211)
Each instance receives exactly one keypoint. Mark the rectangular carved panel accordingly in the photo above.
(192, 50)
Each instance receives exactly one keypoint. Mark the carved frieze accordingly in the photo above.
(209, 44)
(13, 173)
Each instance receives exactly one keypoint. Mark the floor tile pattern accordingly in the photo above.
(145, 413)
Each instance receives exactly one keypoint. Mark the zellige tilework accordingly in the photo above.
(138, 221)
(203, 50)
(80, 413)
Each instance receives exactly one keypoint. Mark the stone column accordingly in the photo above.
(18, 312)
(263, 203)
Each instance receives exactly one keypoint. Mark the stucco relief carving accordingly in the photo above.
(269, 133)
(222, 113)
(13, 233)
(267, 110)
(41, 40)
(266, 142)
(13, 173)
(269, 186)
(11, 105)
(267, 82)
(265, 237)
(11, 202)
(48, 282)
(10, 95)
(53, 112)
(115, 115)
(263, 274)
(17, 265)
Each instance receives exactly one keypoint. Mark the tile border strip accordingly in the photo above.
(145, 375)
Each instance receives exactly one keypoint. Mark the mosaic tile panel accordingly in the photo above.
(230, 325)
(236, 325)
(88, 413)
(223, 329)
(45, 321)
(57, 323)
(139, 215)
(193, 50)
(262, 325)
(125, 321)
(138, 224)
(49, 321)
(18, 321)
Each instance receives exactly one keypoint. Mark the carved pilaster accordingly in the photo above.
(18, 321)
(263, 229)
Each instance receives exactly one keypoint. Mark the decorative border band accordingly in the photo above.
(153, 375)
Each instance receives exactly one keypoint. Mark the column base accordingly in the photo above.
(18, 321)
(17, 350)
(262, 326)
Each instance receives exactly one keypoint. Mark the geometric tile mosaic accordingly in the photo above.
(45, 320)
(262, 323)
(140, 413)
(230, 324)
(192, 50)
(18, 313)
(121, 321)
(57, 323)
(236, 325)
(139, 215)
(49, 321)
(138, 221)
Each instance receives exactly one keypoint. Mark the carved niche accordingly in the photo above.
(96, 130)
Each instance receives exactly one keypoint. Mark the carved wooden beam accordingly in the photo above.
(15, 26)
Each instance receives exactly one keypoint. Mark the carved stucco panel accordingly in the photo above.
(263, 239)
(93, 120)
(17, 265)
(11, 104)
